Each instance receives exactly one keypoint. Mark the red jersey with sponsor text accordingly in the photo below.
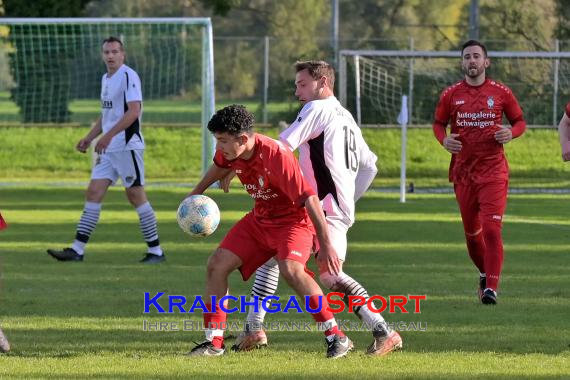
(273, 178)
(476, 113)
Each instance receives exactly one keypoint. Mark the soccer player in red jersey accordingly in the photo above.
(479, 170)
(283, 223)
(564, 133)
(4, 345)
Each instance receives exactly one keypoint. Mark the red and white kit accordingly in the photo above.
(279, 223)
(480, 172)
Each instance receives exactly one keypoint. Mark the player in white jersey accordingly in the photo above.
(340, 166)
(120, 154)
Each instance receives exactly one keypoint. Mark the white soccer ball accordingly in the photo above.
(198, 215)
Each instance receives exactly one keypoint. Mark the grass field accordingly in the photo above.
(173, 155)
(84, 320)
(159, 111)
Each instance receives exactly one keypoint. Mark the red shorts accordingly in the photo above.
(481, 203)
(255, 242)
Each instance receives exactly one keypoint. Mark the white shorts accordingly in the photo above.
(128, 164)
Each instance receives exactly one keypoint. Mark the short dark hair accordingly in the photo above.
(113, 39)
(473, 43)
(317, 70)
(234, 119)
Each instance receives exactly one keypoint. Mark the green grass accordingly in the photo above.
(173, 155)
(84, 320)
(157, 111)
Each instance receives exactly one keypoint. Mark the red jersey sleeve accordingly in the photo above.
(220, 161)
(441, 117)
(514, 114)
(286, 174)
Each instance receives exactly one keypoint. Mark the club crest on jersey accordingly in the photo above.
(490, 102)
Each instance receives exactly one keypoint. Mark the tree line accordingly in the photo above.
(298, 29)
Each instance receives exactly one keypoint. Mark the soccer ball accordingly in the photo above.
(198, 215)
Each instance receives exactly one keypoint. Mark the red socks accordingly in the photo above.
(324, 315)
(216, 318)
(494, 254)
(486, 252)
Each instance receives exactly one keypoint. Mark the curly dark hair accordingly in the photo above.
(234, 119)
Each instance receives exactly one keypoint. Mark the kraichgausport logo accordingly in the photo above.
(274, 304)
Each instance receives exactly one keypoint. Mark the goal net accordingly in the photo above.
(51, 70)
(539, 80)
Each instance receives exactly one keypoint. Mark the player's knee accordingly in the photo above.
(218, 266)
(291, 270)
(94, 195)
(327, 279)
(473, 233)
(330, 280)
(136, 196)
(492, 231)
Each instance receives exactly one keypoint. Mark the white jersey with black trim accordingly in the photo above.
(122, 87)
(334, 158)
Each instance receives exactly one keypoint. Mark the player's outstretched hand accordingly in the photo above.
(225, 182)
(452, 144)
(503, 135)
(566, 151)
(83, 145)
(103, 144)
(328, 258)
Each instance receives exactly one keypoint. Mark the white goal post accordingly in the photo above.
(173, 56)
